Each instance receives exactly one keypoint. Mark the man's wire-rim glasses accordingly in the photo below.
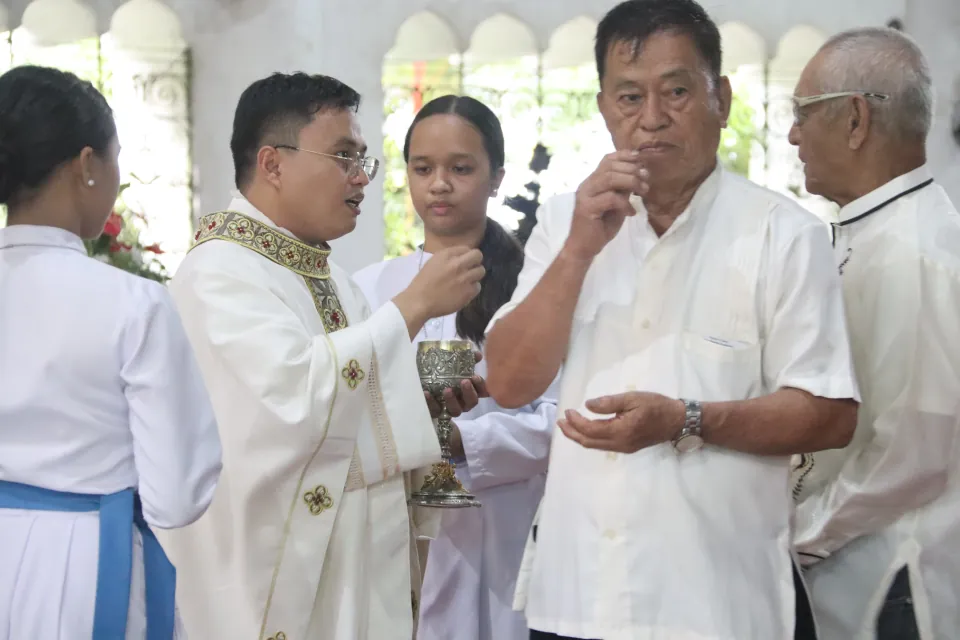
(800, 102)
(368, 164)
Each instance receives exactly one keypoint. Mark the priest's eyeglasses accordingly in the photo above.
(800, 102)
(353, 162)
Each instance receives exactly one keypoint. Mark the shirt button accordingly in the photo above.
(645, 324)
(610, 534)
(631, 387)
(611, 455)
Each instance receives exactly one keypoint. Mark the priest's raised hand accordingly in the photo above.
(447, 282)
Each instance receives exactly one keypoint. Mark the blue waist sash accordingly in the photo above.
(118, 511)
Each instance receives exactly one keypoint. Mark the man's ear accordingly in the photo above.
(858, 122)
(268, 165)
(724, 98)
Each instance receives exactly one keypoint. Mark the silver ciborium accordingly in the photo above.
(443, 364)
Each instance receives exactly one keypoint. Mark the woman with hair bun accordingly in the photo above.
(455, 155)
(105, 425)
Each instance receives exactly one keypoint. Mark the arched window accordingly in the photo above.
(743, 142)
(424, 63)
(794, 50)
(502, 69)
(756, 142)
(62, 34)
(142, 66)
(571, 126)
(542, 97)
(148, 65)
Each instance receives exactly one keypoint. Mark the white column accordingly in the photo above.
(229, 53)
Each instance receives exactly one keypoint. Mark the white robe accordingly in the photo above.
(473, 563)
(309, 534)
(891, 499)
(99, 392)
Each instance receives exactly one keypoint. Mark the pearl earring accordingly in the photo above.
(90, 182)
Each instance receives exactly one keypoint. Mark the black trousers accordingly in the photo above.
(804, 629)
(541, 635)
(897, 620)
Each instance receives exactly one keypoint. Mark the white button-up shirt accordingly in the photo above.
(892, 497)
(99, 391)
(737, 299)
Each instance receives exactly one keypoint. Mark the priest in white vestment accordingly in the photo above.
(878, 522)
(699, 324)
(309, 536)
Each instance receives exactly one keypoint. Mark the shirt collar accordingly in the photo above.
(702, 200)
(28, 235)
(880, 195)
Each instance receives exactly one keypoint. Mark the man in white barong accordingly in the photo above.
(701, 332)
(309, 535)
(878, 522)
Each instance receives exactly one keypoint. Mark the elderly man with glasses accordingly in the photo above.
(309, 534)
(878, 522)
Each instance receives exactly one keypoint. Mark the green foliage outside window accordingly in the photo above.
(736, 141)
(403, 231)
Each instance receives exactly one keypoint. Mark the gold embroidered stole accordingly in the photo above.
(305, 260)
(310, 263)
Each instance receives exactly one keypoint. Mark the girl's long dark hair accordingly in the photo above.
(502, 253)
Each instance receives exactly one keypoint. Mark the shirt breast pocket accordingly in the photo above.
(714, 369)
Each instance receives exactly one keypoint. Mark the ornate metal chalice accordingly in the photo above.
(443, 364)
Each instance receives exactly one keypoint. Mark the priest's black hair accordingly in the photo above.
(634, 21)
(502, 253)
(274, 109)
(47, 117)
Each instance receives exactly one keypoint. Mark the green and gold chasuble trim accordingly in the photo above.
(299, 257)
(309, 262)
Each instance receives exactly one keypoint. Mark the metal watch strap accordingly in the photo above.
(692, 421)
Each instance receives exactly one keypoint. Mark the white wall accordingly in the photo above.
(230, 51)
(349, 39)
(935, 24)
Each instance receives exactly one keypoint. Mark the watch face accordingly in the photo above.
(689, 443)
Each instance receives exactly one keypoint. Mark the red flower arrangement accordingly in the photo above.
(119, 244)
(114, 225)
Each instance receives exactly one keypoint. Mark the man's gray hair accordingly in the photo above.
(882, 60)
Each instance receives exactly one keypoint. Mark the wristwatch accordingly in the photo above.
(690, 439)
